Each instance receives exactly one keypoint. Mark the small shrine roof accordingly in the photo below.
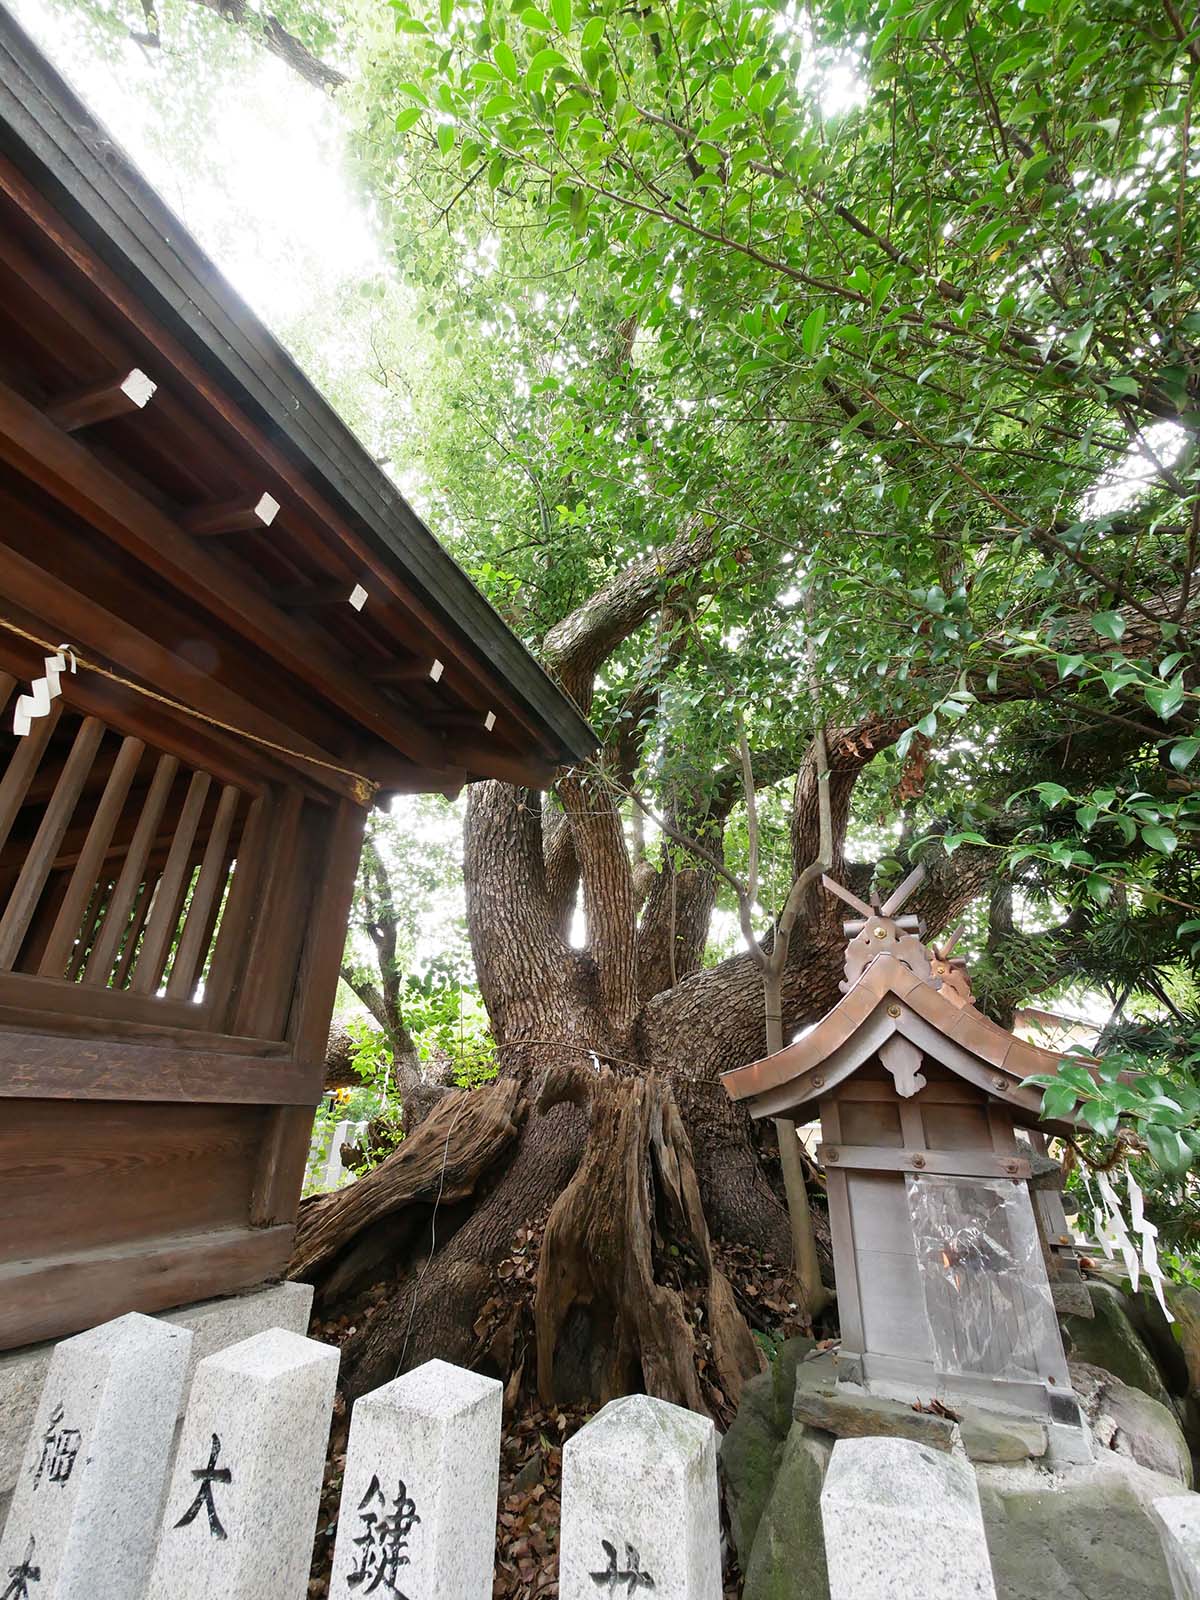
(889, 998)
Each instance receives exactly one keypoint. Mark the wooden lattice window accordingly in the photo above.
(116, 860)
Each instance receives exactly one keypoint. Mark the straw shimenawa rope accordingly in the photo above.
(365, 789)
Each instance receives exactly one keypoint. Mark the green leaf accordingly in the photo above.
(1058, 1101)
(533, 18)
(540, 65)
(1164, 698)
(1052, 794)
(1182, 753)
(1109, 625)
(446, 12)
(562, 15)
(1159, 838)
(408, 118)
(506, 60)
(952, 841)
(593, 32)
(814, 327)
(445, 137)
(1167, 1146)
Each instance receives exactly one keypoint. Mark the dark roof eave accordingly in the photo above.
(52, 137)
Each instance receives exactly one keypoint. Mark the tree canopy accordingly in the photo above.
(774, 367)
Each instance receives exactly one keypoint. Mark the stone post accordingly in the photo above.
(85, 1510)
(902, 1519)
(241, 1509)
(418, 1510)
(1178, 1518)
(639, 1505)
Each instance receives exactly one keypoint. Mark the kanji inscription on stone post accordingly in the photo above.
(242, 1504)
(628, 1575)
(22, 1575)
(206, 1477)
(382, 1543)
(84, 1512)
(640, 1511)
(418, 1511)
(60, 1446)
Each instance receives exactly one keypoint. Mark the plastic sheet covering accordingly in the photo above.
(987, 1295)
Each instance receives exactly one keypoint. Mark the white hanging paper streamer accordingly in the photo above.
(1143, 1225)
(358, 597)
(1115, 1231)
(1113, 1234)
(42, 690)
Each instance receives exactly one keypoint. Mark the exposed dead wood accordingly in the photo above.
(630, 1216)
(442, 1161)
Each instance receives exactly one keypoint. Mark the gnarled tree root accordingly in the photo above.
(345, 1234)
(631, 1215)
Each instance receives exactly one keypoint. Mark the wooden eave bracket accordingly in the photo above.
(231, 516)
(102, 402)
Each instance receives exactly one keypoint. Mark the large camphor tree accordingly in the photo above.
(816, 390)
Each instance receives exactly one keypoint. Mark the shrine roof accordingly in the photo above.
(889, 998)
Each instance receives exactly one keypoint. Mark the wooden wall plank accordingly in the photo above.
(144, 1169)
(47, 1299)
(37, 1066)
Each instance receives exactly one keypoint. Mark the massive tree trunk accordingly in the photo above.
(610, 1059)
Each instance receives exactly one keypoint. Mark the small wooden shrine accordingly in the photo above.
(266, 639)
(943, 1267)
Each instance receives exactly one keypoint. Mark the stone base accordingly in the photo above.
(215, 1324)
(1081, 1533)
(1077, 1530)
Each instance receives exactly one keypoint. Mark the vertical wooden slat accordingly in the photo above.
(91, 858)
(133, 872)
(193, 941)
(47, 840)
(280, 1174)
(88, 928)
(22, 768)
(268, 969)
(227, 968)
(152, 957)
(145, 900)
(7, 682)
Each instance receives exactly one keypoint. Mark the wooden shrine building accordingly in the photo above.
(943, 1267)
(265, 638)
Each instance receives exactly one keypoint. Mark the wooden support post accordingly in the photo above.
(133, 392)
